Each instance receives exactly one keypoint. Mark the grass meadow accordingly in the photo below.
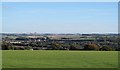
(59, 59)
(0, 59)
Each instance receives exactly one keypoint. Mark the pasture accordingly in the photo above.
(59, 59)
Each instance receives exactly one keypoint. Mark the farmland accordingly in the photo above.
(98, 42)
(59, 59)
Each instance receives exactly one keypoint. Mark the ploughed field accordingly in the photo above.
(59, 59)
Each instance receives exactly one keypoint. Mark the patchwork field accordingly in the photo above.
(59, 59)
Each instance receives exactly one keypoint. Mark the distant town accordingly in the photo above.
(47, 41)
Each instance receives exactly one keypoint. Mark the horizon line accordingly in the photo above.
(61, 33)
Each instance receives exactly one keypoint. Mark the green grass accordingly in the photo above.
(0, 59)
(59, 59)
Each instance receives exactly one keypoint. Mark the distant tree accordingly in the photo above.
(91, 47)
(33, 44)
(56, 46)
(16, 48)
(21, 48)
(65, 46)
(7, 46)
(28, 47)
(74, 46)
(118, 49)
(106, 48)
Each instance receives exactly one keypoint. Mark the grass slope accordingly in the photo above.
(60, 59)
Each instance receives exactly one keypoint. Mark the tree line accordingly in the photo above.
(55, 46)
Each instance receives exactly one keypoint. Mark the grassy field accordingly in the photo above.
(0, 59)
(60, 59)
